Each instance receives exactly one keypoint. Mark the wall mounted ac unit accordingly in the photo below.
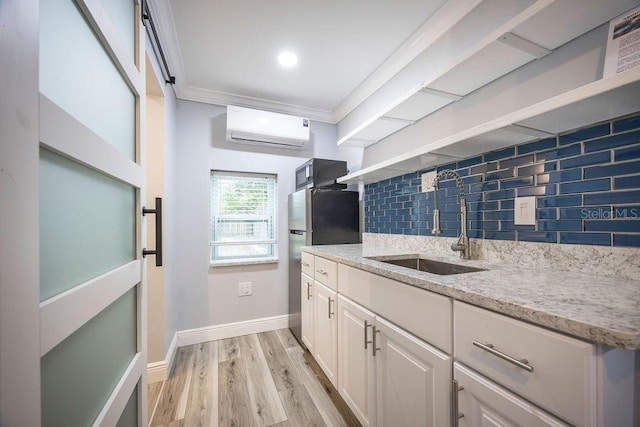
(245, 125)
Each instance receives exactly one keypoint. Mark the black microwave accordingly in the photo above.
(317, 173)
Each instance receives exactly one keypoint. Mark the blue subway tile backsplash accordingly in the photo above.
(627, 123)
(500, 154)
(540, 145)
(627, 153)
(613, 141)
(626, 240)
(586, 186)
(586, 183)
(585, 133)
(627, 182)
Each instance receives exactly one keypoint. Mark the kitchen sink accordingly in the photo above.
(430, 266)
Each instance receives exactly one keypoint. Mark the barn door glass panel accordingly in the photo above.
(121, 13)
(78, 75)
(87, 224)
(79, 374)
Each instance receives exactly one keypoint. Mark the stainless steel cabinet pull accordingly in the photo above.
(308, 290)
(306, 264)
(455, 414)
(366, 340)
(329, 306)
(522, 363)
(324, 273)
(375, 344)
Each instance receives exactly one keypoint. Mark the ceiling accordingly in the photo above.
(224, 51)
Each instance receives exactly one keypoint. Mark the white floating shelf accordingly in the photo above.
(532, 33)
(490, 63)
(601, 100)
(381, 128)
(421, 104)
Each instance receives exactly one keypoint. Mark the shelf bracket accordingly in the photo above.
(524, 45)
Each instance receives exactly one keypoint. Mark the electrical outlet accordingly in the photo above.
(525, 211)
(244, 289)
(427, 181)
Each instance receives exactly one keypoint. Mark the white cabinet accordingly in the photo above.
(481, 403)
(356, 373)
(387, 376)
(413, 379)
(326, 330)
(386, 346)
(308, 320)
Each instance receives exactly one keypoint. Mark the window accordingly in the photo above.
(243, 216)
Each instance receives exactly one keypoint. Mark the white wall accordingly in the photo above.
(206, 296)
(156, 349)
(169, 206)
(170, 212)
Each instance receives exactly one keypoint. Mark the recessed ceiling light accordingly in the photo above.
(287, 59)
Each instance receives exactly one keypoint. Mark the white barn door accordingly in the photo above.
(89, 181)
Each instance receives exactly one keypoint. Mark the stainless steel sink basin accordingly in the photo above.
(430, 266)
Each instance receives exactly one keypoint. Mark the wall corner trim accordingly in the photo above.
(230, 330)
(159, 371)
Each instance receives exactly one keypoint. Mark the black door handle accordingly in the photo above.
(158, 213)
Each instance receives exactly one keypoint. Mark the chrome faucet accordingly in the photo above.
(462, 245)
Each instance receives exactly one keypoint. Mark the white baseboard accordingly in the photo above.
(171, 352)
(230, 330)
(159, 371)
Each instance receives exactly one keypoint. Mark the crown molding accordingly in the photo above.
(191, 93)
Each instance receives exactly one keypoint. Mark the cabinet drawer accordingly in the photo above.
(306, 264)
(480, 399)
(326, 272)
(422, 313)
(562, 379)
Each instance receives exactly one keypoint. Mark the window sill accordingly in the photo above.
(232, 262)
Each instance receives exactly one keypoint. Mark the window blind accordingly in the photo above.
(243, 216)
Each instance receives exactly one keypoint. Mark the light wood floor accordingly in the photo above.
(263, 379)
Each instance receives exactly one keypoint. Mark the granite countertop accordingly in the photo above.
(599, 309)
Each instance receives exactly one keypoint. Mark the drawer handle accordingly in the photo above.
(324, 273)
(306, 264)
(522, 363)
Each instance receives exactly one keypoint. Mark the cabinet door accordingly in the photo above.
(481, 403)
(356, 373)
(413, 379)
(326, 329)
(307, 309)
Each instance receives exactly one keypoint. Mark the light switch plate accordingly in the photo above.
(427, 181)
(525, 211)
